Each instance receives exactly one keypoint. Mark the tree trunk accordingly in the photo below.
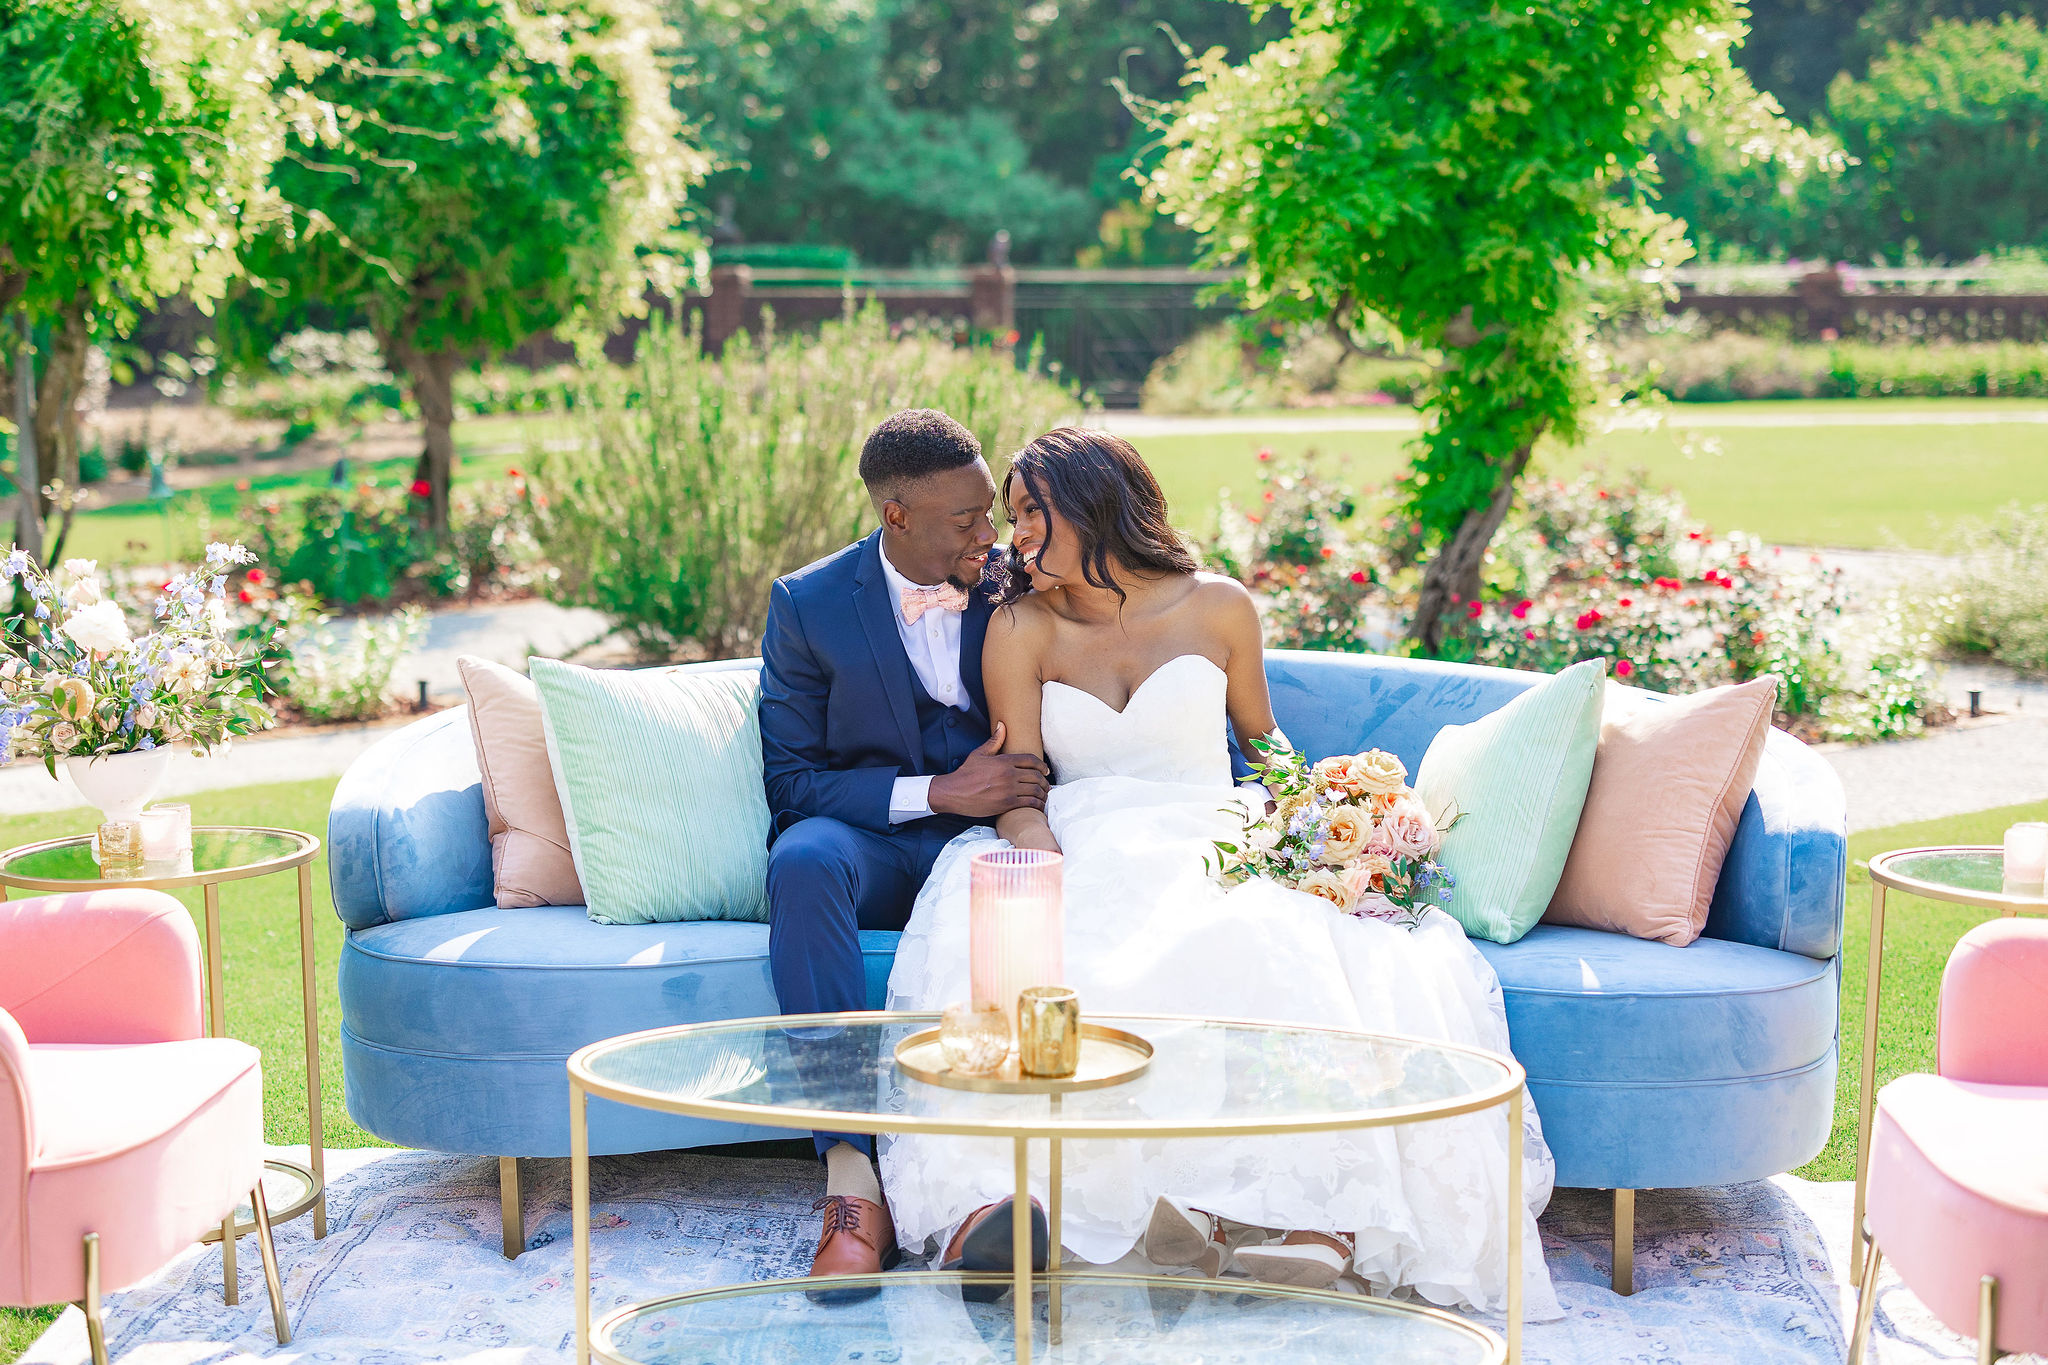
(28, 507)
(432, 376)
(1452, 576)
(56, 421)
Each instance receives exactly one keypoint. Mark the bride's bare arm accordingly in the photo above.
(1236, 621)
(1013, 678)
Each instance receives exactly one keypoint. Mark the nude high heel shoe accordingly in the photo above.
(1183, 1236)
(1300, 1260)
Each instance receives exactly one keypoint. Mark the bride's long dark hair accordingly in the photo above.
(1100, 486)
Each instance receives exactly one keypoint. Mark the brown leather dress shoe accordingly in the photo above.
(984, 1244)
(858, 1238)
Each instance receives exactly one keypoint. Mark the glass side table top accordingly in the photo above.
(1105, 1319)
(1206, 1077)
(219, 853)
(1971, 875)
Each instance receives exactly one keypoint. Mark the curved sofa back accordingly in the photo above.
(407, 837)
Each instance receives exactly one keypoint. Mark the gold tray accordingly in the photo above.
(1109, 1056)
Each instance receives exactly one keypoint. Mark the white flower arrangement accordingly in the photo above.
(76, 681)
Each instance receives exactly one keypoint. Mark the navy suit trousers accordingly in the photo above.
(828, 880)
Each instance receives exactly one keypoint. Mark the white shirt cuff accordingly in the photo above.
(1256, 791)
(910, 799)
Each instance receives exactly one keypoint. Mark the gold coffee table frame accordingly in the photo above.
(1053, 1125)
(1885, 876)
(304, 849)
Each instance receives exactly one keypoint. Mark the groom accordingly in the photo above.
(876, 751)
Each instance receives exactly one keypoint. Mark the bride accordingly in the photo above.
(1121, 665)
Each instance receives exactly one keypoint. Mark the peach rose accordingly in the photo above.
(1407, 831)
(1378, 773)
(1344, 834)
(1327, 884)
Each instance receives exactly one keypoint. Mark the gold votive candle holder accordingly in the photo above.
(120, 849)
(974, 1038)
(1048, 1031)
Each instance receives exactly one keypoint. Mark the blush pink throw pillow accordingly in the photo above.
(530, 859)
(1669, 782)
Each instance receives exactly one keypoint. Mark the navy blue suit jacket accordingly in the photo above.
(838, 716)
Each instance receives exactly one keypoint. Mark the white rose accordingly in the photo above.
(145, 716)
(22, 743)
(83, 590)
(100, 628)
(217, 615)
(185, 673)
(63, 735)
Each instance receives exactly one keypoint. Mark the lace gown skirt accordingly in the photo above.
(1147, 931)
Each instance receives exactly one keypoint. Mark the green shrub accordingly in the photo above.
(694, 481)
(346, 675)
(1997, 606)
(366, 544)
(1250, 364)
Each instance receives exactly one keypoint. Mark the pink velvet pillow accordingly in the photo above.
(530, 859)
(1669, 782)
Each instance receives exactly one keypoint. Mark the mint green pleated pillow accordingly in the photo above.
(1519, 776)
(659, 772)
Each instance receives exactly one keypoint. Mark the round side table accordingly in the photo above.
(220, 853)
(1960, 875)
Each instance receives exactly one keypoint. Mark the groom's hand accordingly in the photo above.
(990, 782)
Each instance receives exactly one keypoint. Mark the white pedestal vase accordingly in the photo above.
(120, 785)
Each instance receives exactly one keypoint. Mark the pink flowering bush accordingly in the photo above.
(1587, 569)
(1294, 547)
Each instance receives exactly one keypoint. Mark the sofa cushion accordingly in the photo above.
(659, 772)
(1669, 783)
(546, 981)
(1517, 779)
(1589, 1006)
(530, 859)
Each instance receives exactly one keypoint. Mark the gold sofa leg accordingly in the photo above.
(95, 1325)
(1866, 1303)
(1987, 1320)
(509, 1207)
(230, 1280)
(268, 1248)
(1624, 1241)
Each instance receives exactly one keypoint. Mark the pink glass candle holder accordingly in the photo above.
(1016, 928)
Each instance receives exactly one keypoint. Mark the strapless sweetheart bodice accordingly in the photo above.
(1173, 729)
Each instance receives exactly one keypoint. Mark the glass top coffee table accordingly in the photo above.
(1961, 875)
(838, 1073)
(220, 853)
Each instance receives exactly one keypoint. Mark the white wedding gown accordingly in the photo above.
(1135, 809)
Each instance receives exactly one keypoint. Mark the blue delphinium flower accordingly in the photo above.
(15, 564)
(145, 744)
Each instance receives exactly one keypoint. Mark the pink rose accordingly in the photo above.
(1407, 831)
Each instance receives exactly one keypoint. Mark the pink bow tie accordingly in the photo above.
(918, 601)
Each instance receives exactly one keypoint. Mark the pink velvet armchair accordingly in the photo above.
(1959, 1160)
(124, 1135)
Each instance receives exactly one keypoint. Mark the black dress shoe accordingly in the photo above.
(984, 1244)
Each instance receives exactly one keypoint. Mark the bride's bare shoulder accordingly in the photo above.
(1221, 597)
(1023, 627)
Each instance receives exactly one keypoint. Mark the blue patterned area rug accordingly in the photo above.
(411, 1271)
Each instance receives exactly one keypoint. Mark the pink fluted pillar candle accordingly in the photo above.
(1016, 929)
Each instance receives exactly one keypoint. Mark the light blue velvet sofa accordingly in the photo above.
(1652, 1066)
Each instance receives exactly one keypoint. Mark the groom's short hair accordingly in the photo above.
(912, 445)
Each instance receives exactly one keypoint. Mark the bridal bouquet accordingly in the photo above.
(76, 681)
(1348, 829)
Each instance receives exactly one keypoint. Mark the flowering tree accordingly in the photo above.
(1471, 173)
(493, 169)
(135, 144)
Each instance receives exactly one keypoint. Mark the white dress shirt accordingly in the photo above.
(933, 644)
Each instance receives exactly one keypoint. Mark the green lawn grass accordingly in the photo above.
(260, 927)
(1845, 487)
(153, 532)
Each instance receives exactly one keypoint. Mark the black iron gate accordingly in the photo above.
(1105, 329)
